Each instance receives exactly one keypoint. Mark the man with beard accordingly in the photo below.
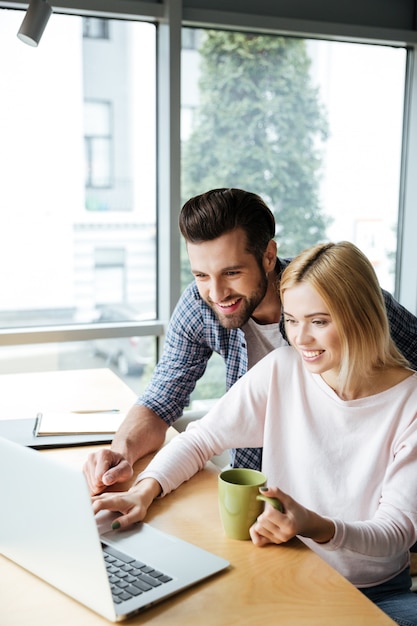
(232, 308)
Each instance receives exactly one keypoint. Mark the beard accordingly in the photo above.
(248, 304)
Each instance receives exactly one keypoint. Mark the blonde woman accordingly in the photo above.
(336, 415)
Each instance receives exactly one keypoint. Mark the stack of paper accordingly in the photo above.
(82, 422)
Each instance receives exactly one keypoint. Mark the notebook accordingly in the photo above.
(22, 431)
(77, 422)
(48, 527)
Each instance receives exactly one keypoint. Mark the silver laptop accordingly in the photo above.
(48, 527)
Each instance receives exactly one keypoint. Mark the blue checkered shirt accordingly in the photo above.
(194, 333)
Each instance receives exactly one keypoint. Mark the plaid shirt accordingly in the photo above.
(194, 333)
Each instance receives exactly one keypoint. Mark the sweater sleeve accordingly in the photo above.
(380, 537)
(237, 420)
(393, 527)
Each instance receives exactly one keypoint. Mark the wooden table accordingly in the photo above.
(286, 585)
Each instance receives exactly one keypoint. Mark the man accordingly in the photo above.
(232, 308)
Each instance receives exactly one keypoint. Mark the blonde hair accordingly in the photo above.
(346, 281)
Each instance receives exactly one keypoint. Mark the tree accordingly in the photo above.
(259, 126)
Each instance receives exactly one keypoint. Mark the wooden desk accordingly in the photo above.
(285, 585)
(22, 395)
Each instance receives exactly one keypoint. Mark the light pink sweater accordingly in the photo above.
(352, 461)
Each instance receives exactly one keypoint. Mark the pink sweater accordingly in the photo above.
(352, 461)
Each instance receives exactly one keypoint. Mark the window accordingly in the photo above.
(314, 127)
(80, 207)
(307, 128)
(77, 237)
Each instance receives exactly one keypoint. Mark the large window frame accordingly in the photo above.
(170, 16)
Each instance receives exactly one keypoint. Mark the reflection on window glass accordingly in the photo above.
(314, 127)
(74, 242)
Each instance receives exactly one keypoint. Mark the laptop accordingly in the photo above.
(48, 527)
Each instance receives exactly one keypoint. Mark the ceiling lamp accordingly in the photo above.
(34, 22)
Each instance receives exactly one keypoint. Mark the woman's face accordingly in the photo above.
(311, 331)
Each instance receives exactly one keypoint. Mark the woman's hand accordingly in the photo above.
(272, 526)
(133, 504)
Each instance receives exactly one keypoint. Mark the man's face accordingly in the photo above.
(228, 278)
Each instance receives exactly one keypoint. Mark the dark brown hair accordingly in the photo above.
(214, 213)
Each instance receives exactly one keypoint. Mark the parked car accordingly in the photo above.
(130, 354)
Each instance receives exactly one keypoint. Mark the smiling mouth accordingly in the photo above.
(231, 304)
(227, 307)
(311, 354)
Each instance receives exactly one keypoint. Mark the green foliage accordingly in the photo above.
(213, 383)
(259, 127)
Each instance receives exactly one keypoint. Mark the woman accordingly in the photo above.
(338, 428)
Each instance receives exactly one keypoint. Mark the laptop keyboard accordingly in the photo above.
(129, 577)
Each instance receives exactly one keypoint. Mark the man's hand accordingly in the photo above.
(140, 433)
(133, 504)
(274, 526)
(104, 468)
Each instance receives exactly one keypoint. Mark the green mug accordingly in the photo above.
(238, 505)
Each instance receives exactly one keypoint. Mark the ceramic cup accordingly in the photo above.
(238, 505)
